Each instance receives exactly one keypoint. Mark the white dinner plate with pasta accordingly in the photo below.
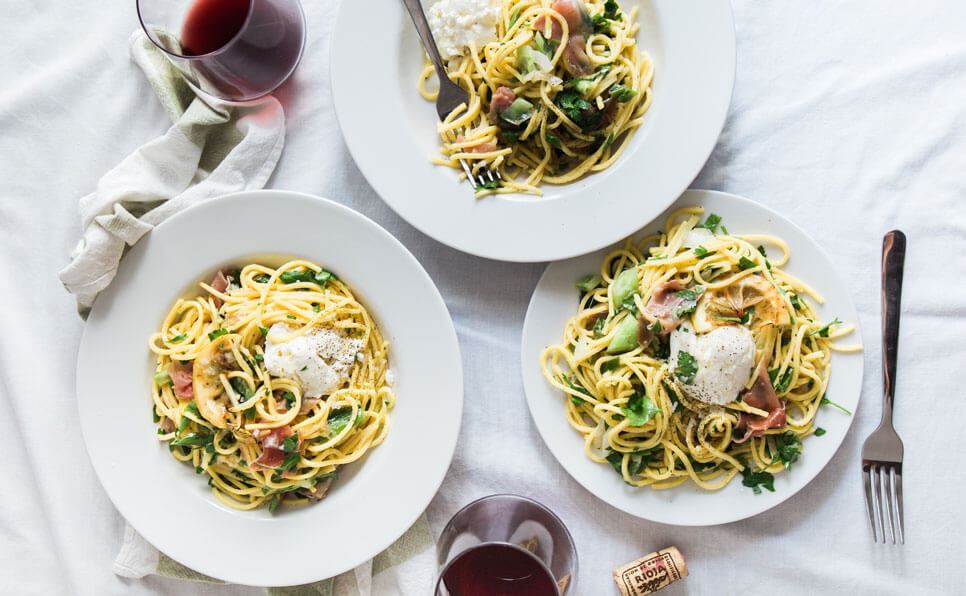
(271, 389)
(585, 109)
(700, 372)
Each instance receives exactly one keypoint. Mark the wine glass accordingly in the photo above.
(505, 545)
(235, 50)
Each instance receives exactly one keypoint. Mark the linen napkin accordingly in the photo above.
(212, 148)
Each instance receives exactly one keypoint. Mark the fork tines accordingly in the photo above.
(486, 175)
(883, 490)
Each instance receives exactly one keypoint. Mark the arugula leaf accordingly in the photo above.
(640, 409)
(781, 386)
(576, 386)
(687, 367)
(689, 300)
(510, 136)
(598, 329)
(710, 223)
(578, 109)
(194, 439)
(819, 431)
(655, 327)
(320, 278)
(672, 394)
(316, 307)
(789, 447)
(513, 18)
(611, 9)
(746, 263)
(177, 338)
(289, 398)
(162, 378)
(724, 230)
(611, 364)
(823, 332)
(757, 480)
(273, 504)
(264, 330)
(156, 418)
(600, 24)
(700, 251)
(192, 408)
(218, 333)
(263, 278)
(621, 93)
(554, 141)
(242, 388)
(488, 185)
(761, 249)
(636, 461)
(339, 418)
(796, 302)
(291, 443)
(827, 401)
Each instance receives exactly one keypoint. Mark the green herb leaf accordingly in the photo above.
(263, 278)
(612, 10)
(488, 185)
(621, 93)
(710, 223)
(746, 263)
(700, 251)
(827, 401)
(823, 332)
(273, 504)
(339, 418)
(757, 480)
(242, 388)
(291, 443)
(290, 317)
(689, 300)
(819, 431)
(162, 378)
(655, 327)
(218, 333)
(194, 439)
(761, 249)
(598, 330)
(177, 338)
(264, 330)
(576, 386)
(687, 367)
(609, 365)
(513, 18)
(554, 141)
(510, 136)
(289, 398)
(789, 447)
(796, 302)
(781, 385)
(640, 409)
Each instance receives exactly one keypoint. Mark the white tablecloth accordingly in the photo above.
(850, 118)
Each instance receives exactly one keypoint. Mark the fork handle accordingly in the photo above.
(893, 258)
(415, 9)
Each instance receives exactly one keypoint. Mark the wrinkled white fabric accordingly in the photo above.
(848, 117)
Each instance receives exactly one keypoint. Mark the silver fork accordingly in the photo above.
(450, 95)
(882, 451)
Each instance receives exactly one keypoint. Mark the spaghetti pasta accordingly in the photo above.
(638, 406)
(257, 435)
(554, 98)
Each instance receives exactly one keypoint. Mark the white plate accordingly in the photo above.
(391, 132)
(374, 500)
(554, 302)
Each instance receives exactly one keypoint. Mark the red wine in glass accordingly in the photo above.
(232, 49)
(497, 569)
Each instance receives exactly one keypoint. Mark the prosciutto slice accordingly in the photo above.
(664, 304)
(579, 21)
(181, 380)
(272, 454)
(219, 283)
(502, 98)
(762, 396)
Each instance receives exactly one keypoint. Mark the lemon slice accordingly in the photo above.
(729, 305)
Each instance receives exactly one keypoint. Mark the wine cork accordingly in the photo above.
(651, 572)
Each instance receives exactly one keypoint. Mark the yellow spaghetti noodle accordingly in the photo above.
(236, 411)
(580, 87)
(630, 407)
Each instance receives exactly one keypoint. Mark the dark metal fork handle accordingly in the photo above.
(893, 259)
(415, 9)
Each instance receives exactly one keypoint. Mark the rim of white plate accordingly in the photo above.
(554, 301)
(376, 500)
(391, 133)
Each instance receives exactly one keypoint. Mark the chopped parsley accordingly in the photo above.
(689, 300)
(340, 418)
(640, 409)
(578, 109)
(320, 278)
(177, 338)
(655, 327)
(761, 249)
(700, 251)
(819, 431)
(796, 301)
(194, 439)
(262, 278)
(510, 136)
(636, 461)
(273, 504)
(289, 398)
(611, 10)
(610, 364)
(823, 332)
(290, 317)
(757, 480)
(687, 367)
(554, 141)
(242, 388)
(264, 330)
(316, 307)
(513, 18)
